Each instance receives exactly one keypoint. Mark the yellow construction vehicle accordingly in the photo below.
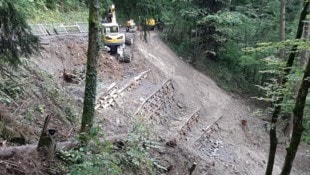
(113, 38)
(131, 26)
(150, 24)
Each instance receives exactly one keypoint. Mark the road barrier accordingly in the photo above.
(59, 28)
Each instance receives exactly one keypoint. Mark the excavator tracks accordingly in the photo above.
(124, 52)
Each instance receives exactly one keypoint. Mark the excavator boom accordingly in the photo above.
(113, 38)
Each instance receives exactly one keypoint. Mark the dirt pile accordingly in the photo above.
(69, 53)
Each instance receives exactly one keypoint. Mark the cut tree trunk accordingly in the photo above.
(277, 109)
(47, 143)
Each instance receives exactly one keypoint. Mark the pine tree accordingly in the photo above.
(16, 39)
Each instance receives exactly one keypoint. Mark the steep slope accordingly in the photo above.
(227, 134)
(190, 117)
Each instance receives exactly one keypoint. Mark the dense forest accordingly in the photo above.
(258, 50)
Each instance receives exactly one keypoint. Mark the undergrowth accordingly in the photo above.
(129, 156)
(50, 16)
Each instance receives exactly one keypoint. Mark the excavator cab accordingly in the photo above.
(113, 39)
(131, 26)
(111, 36)
(111, 29)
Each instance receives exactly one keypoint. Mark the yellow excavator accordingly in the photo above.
(113, 39)
(131, 26)
(150, 24)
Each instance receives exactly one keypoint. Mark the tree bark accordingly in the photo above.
(47, 143)
(304, 55)
(277, 108)
(297, 122)
(91, 73)
(282, 27)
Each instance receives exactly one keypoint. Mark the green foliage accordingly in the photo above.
(212, 6)
(140, 10)
(135, 156)
(306, 124)
(50, 16)
(200, 30)
(52, 11)
(29, 115)
(93, 158)
(51, 4)
(301, 44)
(102, 157)
(223, 20)
(272, 89)
(16, 38)
(10, 88)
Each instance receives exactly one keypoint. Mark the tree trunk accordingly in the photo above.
(47, 143)
(304, 55)
(91, 73)
(273, 139)
(282, 27)
(298, 128)
(277, 109)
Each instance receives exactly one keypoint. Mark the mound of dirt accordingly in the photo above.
(69, 53)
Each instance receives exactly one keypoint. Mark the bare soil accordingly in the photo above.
(192, 119)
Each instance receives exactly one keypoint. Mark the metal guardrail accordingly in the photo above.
(59, 28)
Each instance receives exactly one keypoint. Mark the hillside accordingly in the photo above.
(190, 117)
